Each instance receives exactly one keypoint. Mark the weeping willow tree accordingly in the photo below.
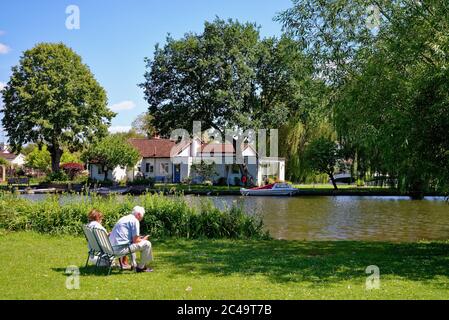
(293, 137)
(387, 62)
(298, 133)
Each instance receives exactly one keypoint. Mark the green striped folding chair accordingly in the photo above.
(94, 247)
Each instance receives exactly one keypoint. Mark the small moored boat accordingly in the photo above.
(275, 189)
(103, 191)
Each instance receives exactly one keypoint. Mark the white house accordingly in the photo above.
(13, 160)
(168, 161)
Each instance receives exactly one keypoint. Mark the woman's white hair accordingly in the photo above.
(138, 210)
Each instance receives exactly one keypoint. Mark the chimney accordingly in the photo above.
(195, 145)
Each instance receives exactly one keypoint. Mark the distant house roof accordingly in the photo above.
(153, 148)
(7, 155)
(165, 148)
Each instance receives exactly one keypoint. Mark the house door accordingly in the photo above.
(177, 173)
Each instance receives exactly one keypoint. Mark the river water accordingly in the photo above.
(343, 217)
(348, 217)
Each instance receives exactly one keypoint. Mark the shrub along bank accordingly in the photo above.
(165, 216)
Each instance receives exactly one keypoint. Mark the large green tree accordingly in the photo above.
(53, 99)
(225, 77)
(111, 152)
(202, 77)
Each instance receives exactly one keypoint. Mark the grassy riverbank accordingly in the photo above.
(303, 190)
(34, 264)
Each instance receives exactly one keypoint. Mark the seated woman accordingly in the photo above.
(95, 218)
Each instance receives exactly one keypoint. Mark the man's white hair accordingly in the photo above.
(138, 210)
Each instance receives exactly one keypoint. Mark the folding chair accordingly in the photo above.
(108, 253)
(94, 247)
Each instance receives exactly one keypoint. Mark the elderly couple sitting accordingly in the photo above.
(126, 232)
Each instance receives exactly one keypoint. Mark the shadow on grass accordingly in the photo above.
(93, 271)
(316, 262)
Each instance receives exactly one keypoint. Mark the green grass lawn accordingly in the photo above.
(33, 267)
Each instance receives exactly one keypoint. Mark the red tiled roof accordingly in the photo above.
(161, 148)
(153, 148)
(8, 156)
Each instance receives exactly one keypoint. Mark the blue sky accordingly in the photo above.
(115, 36)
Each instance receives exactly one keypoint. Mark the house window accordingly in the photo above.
(99, 169)
(164, 168)
(149, 168)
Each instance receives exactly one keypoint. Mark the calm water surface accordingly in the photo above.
(348, 218)
(341, 217)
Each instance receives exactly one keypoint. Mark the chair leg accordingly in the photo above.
(87, 261)
(110, 266)
(100, 257)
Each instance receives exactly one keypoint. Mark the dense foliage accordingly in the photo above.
(386, 64)
(322, 156)
(225, 77)
(72, 169)
(204, 170)
(111, 152)
(165, 216)
(40, 158)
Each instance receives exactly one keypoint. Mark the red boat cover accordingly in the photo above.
(268, 186)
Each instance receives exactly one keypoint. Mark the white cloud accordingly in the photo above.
(124, 105)
(116, 129)
(2, 85)
(4, 49)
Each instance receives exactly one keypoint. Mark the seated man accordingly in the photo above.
(127, 231)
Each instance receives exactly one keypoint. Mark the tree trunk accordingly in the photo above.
(331, 175)
(416, 189)
(56, 154)
(242, 173)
